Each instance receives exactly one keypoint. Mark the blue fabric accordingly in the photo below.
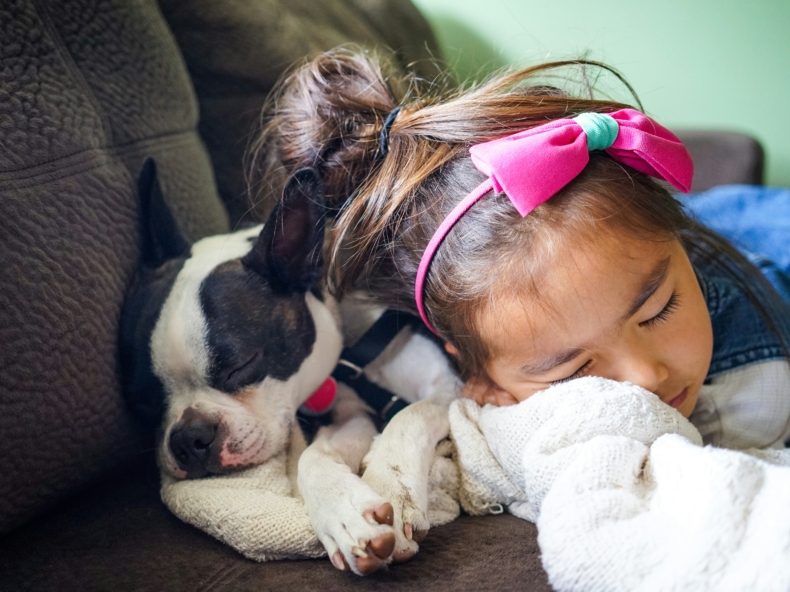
(756, 220)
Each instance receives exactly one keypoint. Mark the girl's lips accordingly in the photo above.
(678, 401)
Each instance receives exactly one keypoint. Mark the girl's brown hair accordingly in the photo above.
(329, 113)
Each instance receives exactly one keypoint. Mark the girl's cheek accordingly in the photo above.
(483, 393)
(504, 398)
(697, 335)
(476, 390)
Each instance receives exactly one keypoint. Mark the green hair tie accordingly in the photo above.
(601, 129)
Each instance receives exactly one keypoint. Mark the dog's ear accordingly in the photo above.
(161, 238)
(289, 250)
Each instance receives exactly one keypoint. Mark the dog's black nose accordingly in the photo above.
(191, 446)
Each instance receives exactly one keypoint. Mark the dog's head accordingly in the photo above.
(224, 339)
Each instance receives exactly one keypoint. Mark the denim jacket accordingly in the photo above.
(756, 220)
(740, 335)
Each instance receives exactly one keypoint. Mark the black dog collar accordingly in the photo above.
(369, 347)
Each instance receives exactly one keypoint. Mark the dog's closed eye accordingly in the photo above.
(244, 374)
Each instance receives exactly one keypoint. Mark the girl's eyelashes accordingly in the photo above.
(578, 374)
(671, 306)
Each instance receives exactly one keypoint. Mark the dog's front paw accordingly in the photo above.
(369, 554)
(355, 526)
(408, 494)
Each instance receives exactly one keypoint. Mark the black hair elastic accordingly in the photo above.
(384, 136)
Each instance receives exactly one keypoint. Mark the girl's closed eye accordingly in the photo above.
(671, 305)
(578, 374)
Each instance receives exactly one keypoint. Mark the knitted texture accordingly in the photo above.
(443, 486)
(624, 495)
(485, 485)
(259, 512)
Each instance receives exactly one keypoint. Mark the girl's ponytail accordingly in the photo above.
(328, 114)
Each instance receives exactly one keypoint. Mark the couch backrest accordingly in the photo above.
(235, 65)
(88, 90)
(723, 158)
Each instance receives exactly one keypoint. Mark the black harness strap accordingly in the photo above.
(353, 360)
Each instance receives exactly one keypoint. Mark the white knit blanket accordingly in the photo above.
(259, 512)
(623, 493)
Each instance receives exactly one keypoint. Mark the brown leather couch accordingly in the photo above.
(88, 90)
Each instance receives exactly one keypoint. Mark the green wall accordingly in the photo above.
(694, 63)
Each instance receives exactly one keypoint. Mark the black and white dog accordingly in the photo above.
(223, 341)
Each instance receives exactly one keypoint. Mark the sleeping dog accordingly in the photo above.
(223, 340)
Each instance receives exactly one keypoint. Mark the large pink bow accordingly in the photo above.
(533, 165)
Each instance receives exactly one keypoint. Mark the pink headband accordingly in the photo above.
(533, 165)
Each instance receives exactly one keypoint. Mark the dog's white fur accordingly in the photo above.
(259, 420)
(397, 470)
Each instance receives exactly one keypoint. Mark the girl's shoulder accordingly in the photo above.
(741, 335)
(756, 221)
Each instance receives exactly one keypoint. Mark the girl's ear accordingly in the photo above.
(289, 250)
(161, 239)
(451, 349)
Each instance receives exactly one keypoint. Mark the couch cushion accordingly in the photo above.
(88, 89)
(119, 536)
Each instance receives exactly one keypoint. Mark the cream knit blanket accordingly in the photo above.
(624, 496)
(259, 511)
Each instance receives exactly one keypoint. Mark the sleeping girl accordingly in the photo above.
(533, 231)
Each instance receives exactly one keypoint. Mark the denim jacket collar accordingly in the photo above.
(740, 335)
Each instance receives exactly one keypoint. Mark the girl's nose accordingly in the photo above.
(644, 370)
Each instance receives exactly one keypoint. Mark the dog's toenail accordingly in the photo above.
(359, 552)
(339, 562)
(408, 530)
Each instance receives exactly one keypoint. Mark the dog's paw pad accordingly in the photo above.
(417, 522)
(403, 555)
(407, 544)
(373, 557)
(414, 534)
(418, 534)
(383, 545)
(384, 514)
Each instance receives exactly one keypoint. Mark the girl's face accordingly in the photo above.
(622, 308)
